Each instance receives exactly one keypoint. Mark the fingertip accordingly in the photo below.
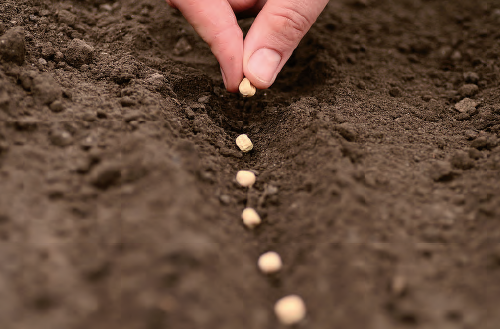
(233, 87)
(231, 82)
(215, 22)
(223, 77)
(258, 83)
(263, 67)
(274, 35)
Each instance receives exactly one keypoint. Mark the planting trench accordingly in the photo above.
(119, 206)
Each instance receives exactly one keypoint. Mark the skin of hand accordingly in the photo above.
(276, 32)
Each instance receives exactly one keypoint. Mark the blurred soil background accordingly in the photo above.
(376, 151)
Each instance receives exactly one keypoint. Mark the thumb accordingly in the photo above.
(274, 35)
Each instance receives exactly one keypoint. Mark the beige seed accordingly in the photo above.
(245, 178)
(290, 309)
(250, 217)
(246, 88)
(270, 262)
(244, 143)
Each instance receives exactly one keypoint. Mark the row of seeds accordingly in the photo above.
(290, 309)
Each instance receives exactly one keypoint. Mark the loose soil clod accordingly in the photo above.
(12, 46)
(79, 53)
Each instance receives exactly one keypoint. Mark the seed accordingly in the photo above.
(250, 218)
(245, 178)
(246, 88)
(244, 143)
(290, 309)
(270, 262)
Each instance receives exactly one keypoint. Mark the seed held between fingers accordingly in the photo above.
(270, 262)
(246, 88)
(244, 143)
(290, 310)
(251, 218)
(245, 178)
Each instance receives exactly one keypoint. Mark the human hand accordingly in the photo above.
(271, 40)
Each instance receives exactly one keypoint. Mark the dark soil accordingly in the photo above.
(118, 203)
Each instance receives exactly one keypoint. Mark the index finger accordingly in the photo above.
(215, 22)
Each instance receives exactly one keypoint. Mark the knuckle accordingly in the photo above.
(220, 40)
(221, 35)
(293, 24)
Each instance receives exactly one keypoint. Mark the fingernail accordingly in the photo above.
(263, 64)
(223, 77)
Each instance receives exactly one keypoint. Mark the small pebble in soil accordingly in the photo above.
(270, 262)
(48, 51)
(58, 57)
(347, 131)
(106, 7)
(456, 56)
(290, 310)
(244, 143)
(225, 199)
(182, 47)
(127, 102)
(133, 116)
(105, 176)
(246, 88)
(56, 106)
(245, 178)
(395, 92)
(87, 116)
(361, 85)
(204, 99)
(60, 137)
(251, 218)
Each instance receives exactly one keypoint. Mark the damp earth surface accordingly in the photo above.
(376, 153)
